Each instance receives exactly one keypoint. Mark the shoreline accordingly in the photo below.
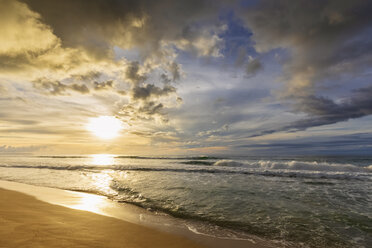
(28, 222)
(130, 214)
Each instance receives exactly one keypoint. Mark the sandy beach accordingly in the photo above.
(28, 222)
(36, 216)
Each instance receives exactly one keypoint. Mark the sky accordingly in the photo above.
(274, 77)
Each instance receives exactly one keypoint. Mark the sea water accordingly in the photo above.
(297, 201)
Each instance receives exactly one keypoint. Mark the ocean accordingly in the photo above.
(296, 201)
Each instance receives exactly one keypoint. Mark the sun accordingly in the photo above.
(105, 127)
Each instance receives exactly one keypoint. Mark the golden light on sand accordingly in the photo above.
(105, 127)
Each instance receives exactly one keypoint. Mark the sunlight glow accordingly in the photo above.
(90, 202)
(102, 159)
(105, 127)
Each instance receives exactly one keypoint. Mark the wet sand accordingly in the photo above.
(40, 211)
(28, 222)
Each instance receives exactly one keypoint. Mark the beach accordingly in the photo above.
(212, 201)
(35, 216)
(28, 222)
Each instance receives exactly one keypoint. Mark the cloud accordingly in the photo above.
(58, 88)
(357, 143)
(151, 108)
(142, 24)
(22, 32)
(82, 88)
(137, 112)
(63, 46)
(218, 131)
(24, 38)
(326, 41)
(30, 49)
(325, 111)
(127, 58)
(145, 99)
(104, 85)
(87, 76)
(134, 74)
(253, 66)
(151, 91)
(175, 70)
(5, 149)
(203, 42)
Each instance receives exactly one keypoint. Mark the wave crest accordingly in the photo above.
(295, 165)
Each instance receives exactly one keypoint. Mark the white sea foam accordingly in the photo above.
(295, 165)
(276, 168)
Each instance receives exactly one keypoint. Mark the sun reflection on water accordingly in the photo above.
(102, 159)
(102, 181)
(91, 203)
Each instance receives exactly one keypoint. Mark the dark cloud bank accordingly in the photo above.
(326, 40)
(324, 111)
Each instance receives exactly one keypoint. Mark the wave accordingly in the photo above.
(56, 156)
(223, 166)
(139, 157)
(55, 167)
(172, 158)
(295, 165)
(200, 224)
(128, 194)
(198, 162)
(230, 163)
(261, 168)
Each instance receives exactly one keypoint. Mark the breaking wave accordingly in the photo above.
(296, 165)
(270, 168)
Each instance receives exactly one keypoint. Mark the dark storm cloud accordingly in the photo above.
(128, 23)
(326, 40)
(307, 24)
(324, 111)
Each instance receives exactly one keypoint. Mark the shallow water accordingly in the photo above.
(305, 201)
